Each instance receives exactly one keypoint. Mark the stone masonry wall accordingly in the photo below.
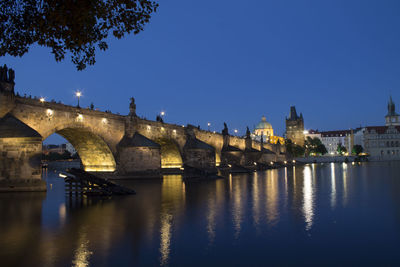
(20, 158)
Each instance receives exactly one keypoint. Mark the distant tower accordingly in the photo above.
(295, 127)
(392, 118)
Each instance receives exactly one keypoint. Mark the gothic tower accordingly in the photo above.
(295, 127)
(392, 118)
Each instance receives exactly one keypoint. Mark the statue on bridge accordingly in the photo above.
(132, 107)
(247, 132)
(7, 77)
(6, 74)
(225, 130)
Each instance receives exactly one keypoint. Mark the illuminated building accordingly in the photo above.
(264, 129)
(295, 127)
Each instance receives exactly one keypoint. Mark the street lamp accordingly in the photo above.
(208, 124)
(236, 131)
(78, 95)
(42, 99)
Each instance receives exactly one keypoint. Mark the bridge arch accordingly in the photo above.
(171, 155)
(93, 150)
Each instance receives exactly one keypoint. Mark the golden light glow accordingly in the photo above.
(79, 117)
(42, 99)
(272, 163)
(272, 198)
(162, 113)
(100, 168)
(285, 162)
(148, 127)
(104, 121)
(208, 124)
(78, 93)
(49, 112)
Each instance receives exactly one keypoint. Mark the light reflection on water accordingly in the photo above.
(308, 197)
(297, 211)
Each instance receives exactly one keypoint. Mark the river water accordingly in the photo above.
(320, 214)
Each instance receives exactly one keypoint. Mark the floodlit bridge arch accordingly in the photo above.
(171, 156)
(91, 148)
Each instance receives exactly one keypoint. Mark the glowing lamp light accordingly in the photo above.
(78, 94)
(79, 117)
(285, 162)
(272, 163)
(235, 130)
(229, 165)
(162, 113)
(305, 132)
(148, 127)
(208, 124)
(104, 121)
(293, 161)
(255, 163)
(174, 131)
(42, 100)
(49, 112)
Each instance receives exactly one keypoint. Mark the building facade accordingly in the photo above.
(331, 140)
(265, 131)
(383, 142)
(295, 127)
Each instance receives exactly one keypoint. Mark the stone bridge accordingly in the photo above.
(106, 142)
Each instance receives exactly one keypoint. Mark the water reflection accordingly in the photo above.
(344, 175)
(237, 210)
(173, 195)
(333, 186)
(176, 222)
(82, 253)
(272, 194)
(256, 200)
(308, 197)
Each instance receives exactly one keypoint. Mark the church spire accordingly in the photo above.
(391, 108)
(392, 118)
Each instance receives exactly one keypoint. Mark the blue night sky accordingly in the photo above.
(205, 61)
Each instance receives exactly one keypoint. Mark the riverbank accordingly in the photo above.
(326, 159)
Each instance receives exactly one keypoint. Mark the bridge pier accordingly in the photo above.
(138, 155)
(20, 158)
(198, 154)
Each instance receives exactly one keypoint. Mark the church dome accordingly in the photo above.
(263, 124)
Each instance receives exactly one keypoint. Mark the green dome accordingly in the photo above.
(263, 124)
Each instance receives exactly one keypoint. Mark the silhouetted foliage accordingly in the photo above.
(314, 146)
(341, 149)
(52, 156)
(71, 26)
(357, 149)
(293, 149)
